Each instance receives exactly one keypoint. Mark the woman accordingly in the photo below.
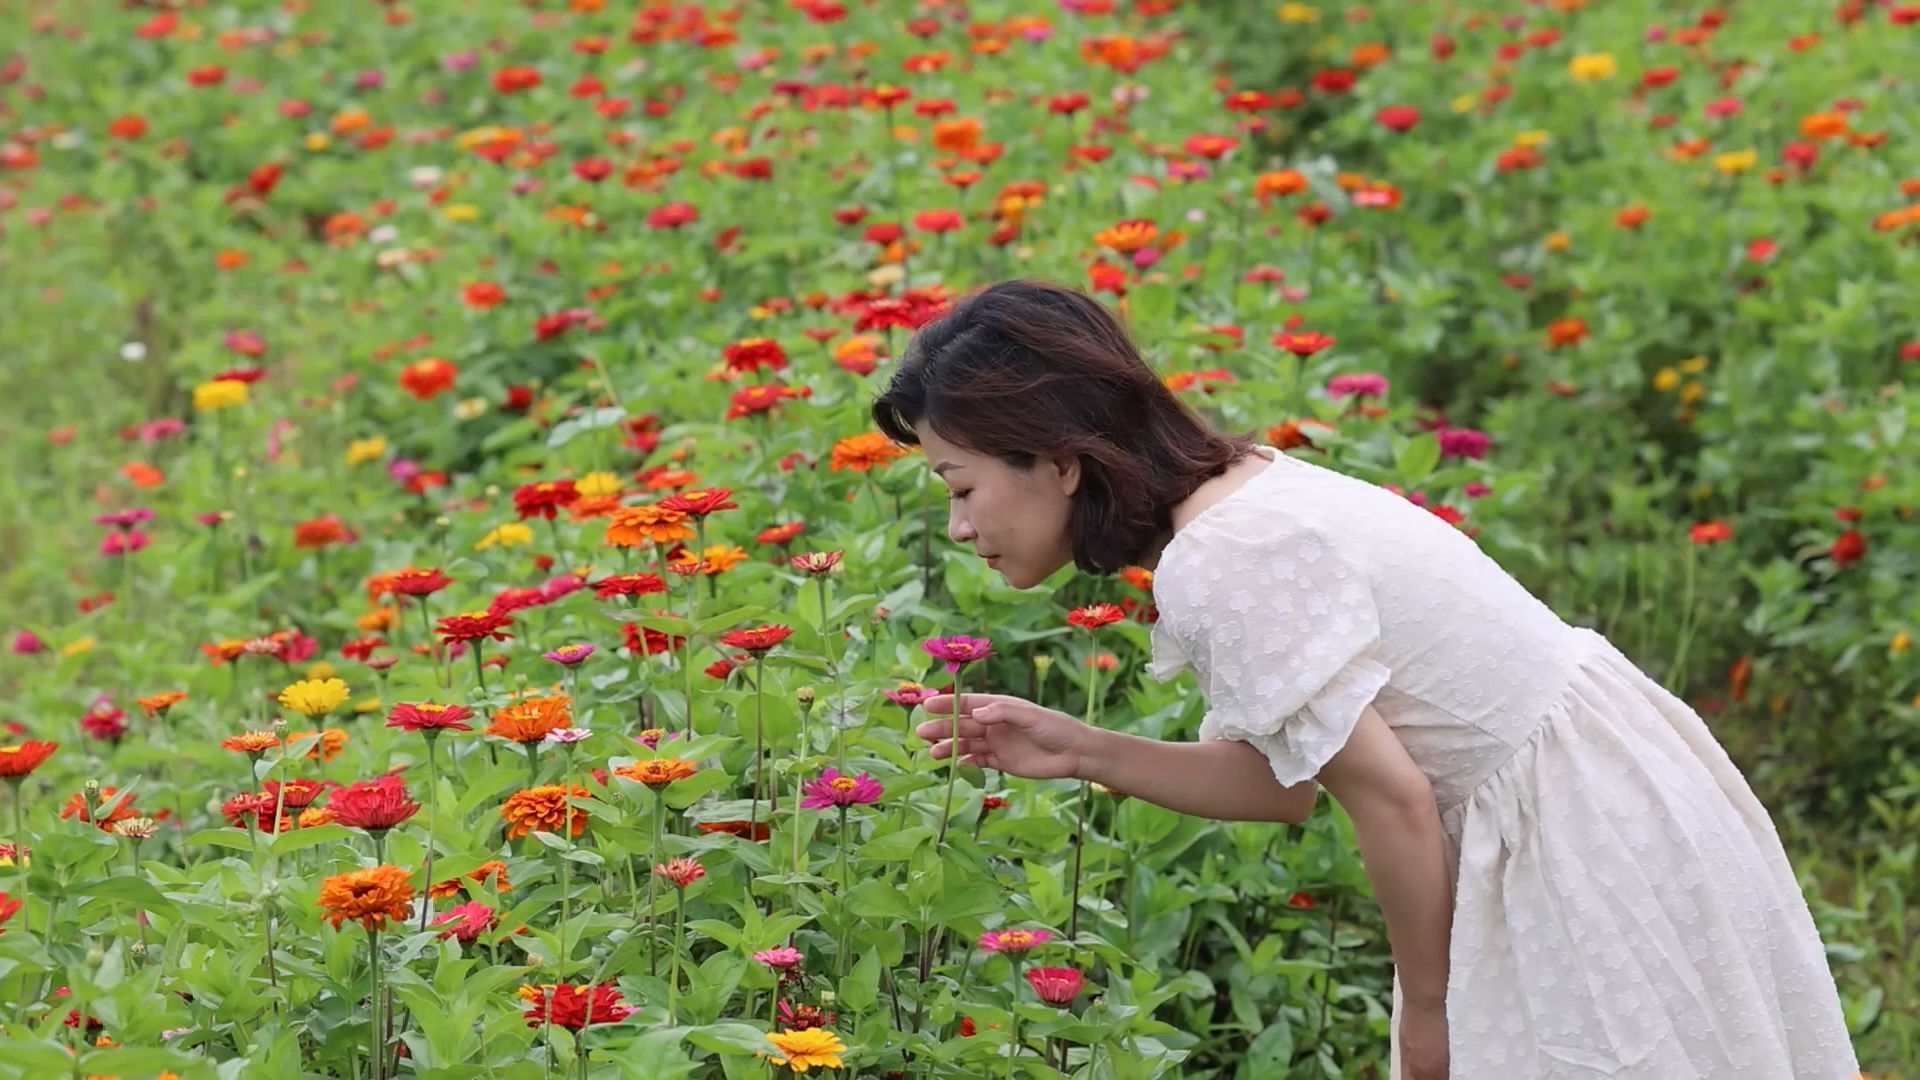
(1577, 882)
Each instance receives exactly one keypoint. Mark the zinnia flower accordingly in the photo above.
(545, 499)
(681, 870)
(1056, 985)
(573, 1007)
(659, 772)
(958, 650)
(1014, 941)
(802, 1050)
(17, 761)
(492, 868)
(816, 562)
(474, 626)
(373, 805)
(1094, 616)
(468, 921)
(908, 695)
(545, 809)
(569, 655)
(632, 526)
(833, 789)
(782, 958)
(758, 639)
(429, 717)
(370, 896)
(863, 452)
(314, 697)
(700, 502)
(530, 720)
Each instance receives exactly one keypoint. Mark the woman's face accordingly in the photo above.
(1014, 518)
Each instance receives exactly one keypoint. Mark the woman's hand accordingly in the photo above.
(1423, 1043)
(1006, 733)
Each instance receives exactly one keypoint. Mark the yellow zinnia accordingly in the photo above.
(219, 394)
(314, 697)
(1736, 161)
(805, 1049)
(1591, 66)
(363, 450)
(598, 483)
(1299, 13)
(511, 534)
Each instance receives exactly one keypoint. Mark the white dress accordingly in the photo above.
(1623, 908)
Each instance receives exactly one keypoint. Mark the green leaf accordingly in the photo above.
(306, 838)
(871, 899)
(1269, 1054)
(719, 930)
(730, 1035)
(685, 792)
(861, 988)
(897, 845)
(237, 839)
(564, 432)
(1417, 457)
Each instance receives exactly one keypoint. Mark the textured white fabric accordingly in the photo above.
(1623, 908)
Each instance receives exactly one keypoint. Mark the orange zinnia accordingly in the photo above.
(863, 452)
(158, 704)
(631, 526)
(658, 773)
(370, 896)
(492, 868)
(328, 745)
(250, 742)
(1128, 236)
(545, 809)
(530, 720)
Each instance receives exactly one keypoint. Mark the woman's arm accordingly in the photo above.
(1397, 824)
(1227, 781)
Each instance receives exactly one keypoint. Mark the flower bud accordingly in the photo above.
(137, 952)
(804, 696)
(96, 956)
(1043, 662)
(91, 789)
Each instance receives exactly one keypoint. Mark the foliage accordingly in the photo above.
(303, 295)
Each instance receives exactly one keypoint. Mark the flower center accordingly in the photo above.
(1018, 939)
(842, 783)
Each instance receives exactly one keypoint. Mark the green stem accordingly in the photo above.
(433, 788)
(1080, 821)
(377, 1051)
(679, 930)
(953, 761)
(759, 738)
(845, 916)
(533, 762)
(653, 930)
(26, 878)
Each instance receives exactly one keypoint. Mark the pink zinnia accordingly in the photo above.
(467, 922)
(1464, 442)
(1365, 384)
(1014, 941)
(569, 654)
(1056, 985)
(781, 958)
(833, 789)
(26, 643)
(958, 650)
(909, 694)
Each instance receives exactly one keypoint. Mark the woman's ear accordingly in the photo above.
(1068, 470)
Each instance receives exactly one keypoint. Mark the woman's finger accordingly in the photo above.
(942, 704)
(970, 728)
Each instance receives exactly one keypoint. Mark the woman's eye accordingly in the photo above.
(952, 495)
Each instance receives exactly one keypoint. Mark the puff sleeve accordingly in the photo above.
(1283, 637)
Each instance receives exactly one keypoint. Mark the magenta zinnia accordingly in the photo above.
(1014, 941)
(958, 650)
(1056, 985)
(429, 717)
(834, 789)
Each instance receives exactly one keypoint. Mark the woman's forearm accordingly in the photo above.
(1227, 781)
(1405, 855)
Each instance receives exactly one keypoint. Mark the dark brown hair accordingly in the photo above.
(1025, 368)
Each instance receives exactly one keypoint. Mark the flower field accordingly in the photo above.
(461, 621)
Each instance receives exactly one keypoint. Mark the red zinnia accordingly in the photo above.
(544, 499)
(1710, 532)
(1399, 118)
(752, 354)
(574, 1007)
(373, 805)
(1303, 343)
(701, 501)
(474, 626)
(483, 294)
(412, 582)
(1056, 985)
(425, 378)
(18, 761)
(758, 639)
(1848, 548)
(429, 717)
(1094, 616)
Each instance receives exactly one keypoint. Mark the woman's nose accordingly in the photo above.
(959, 529)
